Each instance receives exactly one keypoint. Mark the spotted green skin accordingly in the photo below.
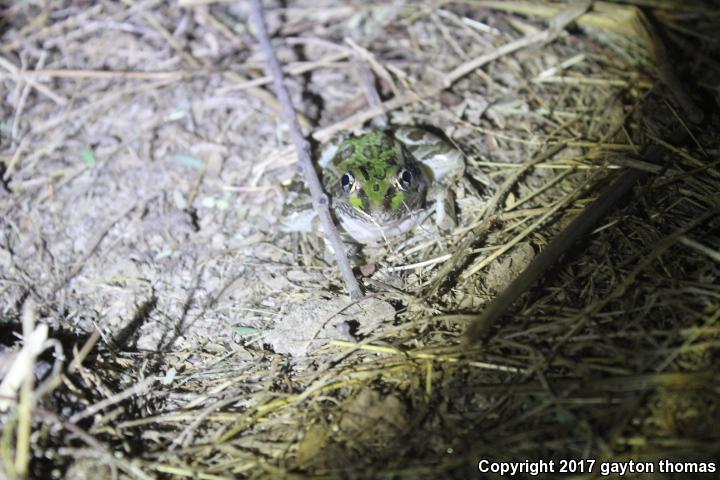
(379, 202)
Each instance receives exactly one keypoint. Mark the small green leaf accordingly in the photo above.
(189, 161)
(88, 157)
(246, 331)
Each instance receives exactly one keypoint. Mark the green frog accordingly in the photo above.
(380, 183)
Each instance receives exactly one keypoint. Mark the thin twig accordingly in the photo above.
(319, 198)
(10, 67)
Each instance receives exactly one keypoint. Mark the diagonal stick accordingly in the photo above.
(319, 198)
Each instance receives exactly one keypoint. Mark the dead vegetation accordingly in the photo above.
(144, 169)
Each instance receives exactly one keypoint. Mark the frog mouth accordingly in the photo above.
(389, 211)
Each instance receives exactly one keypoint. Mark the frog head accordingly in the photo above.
(378, 176)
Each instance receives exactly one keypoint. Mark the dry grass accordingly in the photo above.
(144, 168)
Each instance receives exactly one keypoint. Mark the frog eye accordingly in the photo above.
(347, 181)
(405, 178)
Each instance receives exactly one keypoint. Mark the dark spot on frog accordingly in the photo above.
(416, 135)
(376, 187)
(377, 171)
(387, 142)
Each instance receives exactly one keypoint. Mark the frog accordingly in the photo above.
(383, 183)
